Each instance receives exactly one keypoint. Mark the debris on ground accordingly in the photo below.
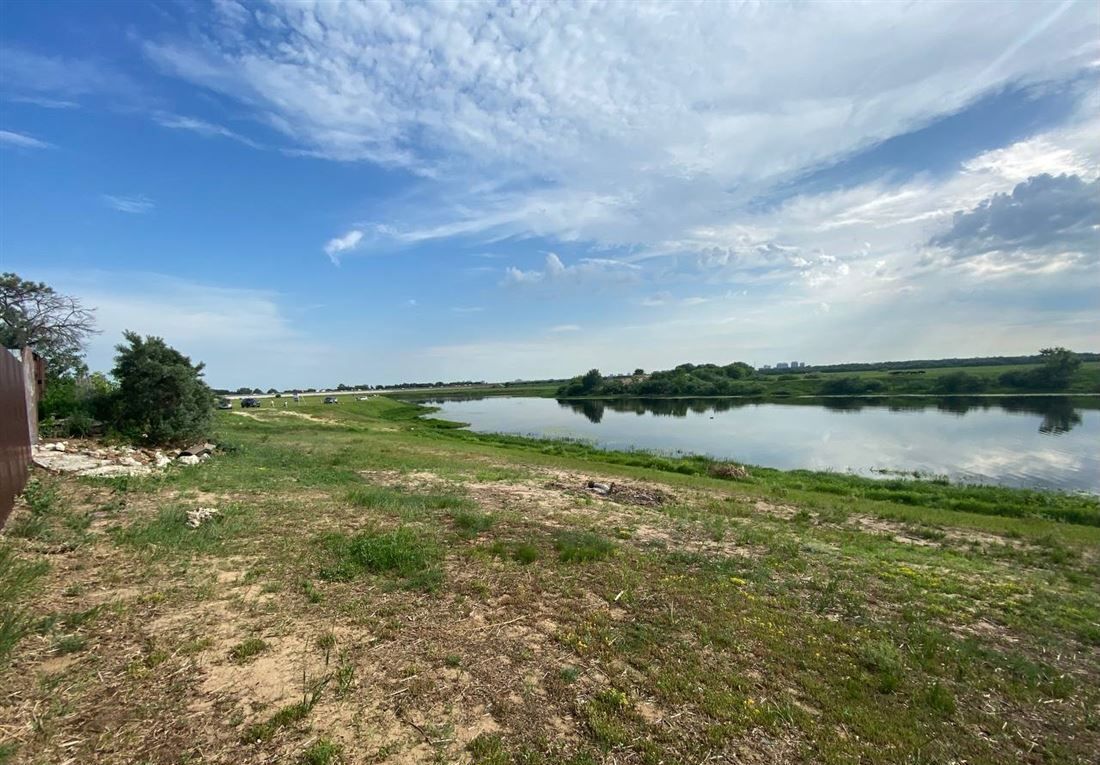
(92, 458)
(201, 515)
(623, 493)
(197, 450)
(728, 470)
(603, 489)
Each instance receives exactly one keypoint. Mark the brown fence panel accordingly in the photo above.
(15, 439)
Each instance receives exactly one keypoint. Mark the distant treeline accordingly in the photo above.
(917, 364)
(342, 387)
(1052, 370)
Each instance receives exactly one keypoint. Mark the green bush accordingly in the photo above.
(161, 395)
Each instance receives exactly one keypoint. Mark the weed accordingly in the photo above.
(321, 752)
(488, 749)
(884, 660)
(470, 523)
(169, 531)
(313, 595)
(940, 698)
(582, 546)
(404, 504)
(247, 650)
(569, 674)
(288, 715)
(345, 678)
(17, 579)
(69, 644)
(402, 551)
(453, 660)
(525, 553)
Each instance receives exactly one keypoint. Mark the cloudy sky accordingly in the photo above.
(304, 194)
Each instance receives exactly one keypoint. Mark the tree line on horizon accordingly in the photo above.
(1053, 370)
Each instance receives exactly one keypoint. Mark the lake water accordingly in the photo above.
(1040, 442)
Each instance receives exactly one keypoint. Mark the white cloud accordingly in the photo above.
(468, 309)
(136, 204)
(338, 245)
(21, 140)
(565, 328)
(201, 127)
(586, 272)
(582, 122)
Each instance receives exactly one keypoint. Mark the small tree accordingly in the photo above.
(1059, 364)
(591, 380)
(54, 325)
(161, 395)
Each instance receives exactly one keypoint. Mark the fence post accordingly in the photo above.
(30, 391)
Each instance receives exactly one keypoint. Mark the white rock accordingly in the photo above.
(198, 516)
(162, 460)
(188, 459)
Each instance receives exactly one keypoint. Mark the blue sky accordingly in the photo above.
(307, 194)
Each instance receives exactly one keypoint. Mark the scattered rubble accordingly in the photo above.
(623, 493)
(728, 470)
(90, 458)
(197, 517)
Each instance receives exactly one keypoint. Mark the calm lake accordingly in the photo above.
(1040, 442)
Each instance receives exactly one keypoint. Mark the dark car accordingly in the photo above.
(331, 400)
(249, 403)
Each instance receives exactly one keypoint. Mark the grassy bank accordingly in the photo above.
(378, 588)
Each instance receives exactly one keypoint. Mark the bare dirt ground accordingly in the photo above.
(143, 658)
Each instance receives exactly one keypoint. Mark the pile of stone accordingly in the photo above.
(201, 515)
(93, 459)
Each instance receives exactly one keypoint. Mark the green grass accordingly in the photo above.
(582, 546)
(404, 552)
(408, 506)
(247, 650)
(795, 616)
(321, 752)
(168, 531)
(18, 580)
(470, 523)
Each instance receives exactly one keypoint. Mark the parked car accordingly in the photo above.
(331, 400)
(249, 403)
(224, 403)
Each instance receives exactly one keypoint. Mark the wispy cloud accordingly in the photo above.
(468, 309)
(565, 328)
(587, 271)
(202, 127)
(337, 246)
(44, 102)
(22, 141)
(137, 204)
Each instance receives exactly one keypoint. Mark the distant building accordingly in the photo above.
(782, 365)
(766, 366)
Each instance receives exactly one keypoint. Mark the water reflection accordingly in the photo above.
(1044, 441)
(1059, 413)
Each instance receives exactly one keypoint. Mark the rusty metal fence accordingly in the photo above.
(15, 435)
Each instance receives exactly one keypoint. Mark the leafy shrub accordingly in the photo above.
(850, 386)
(959, 382)
(161, 395)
